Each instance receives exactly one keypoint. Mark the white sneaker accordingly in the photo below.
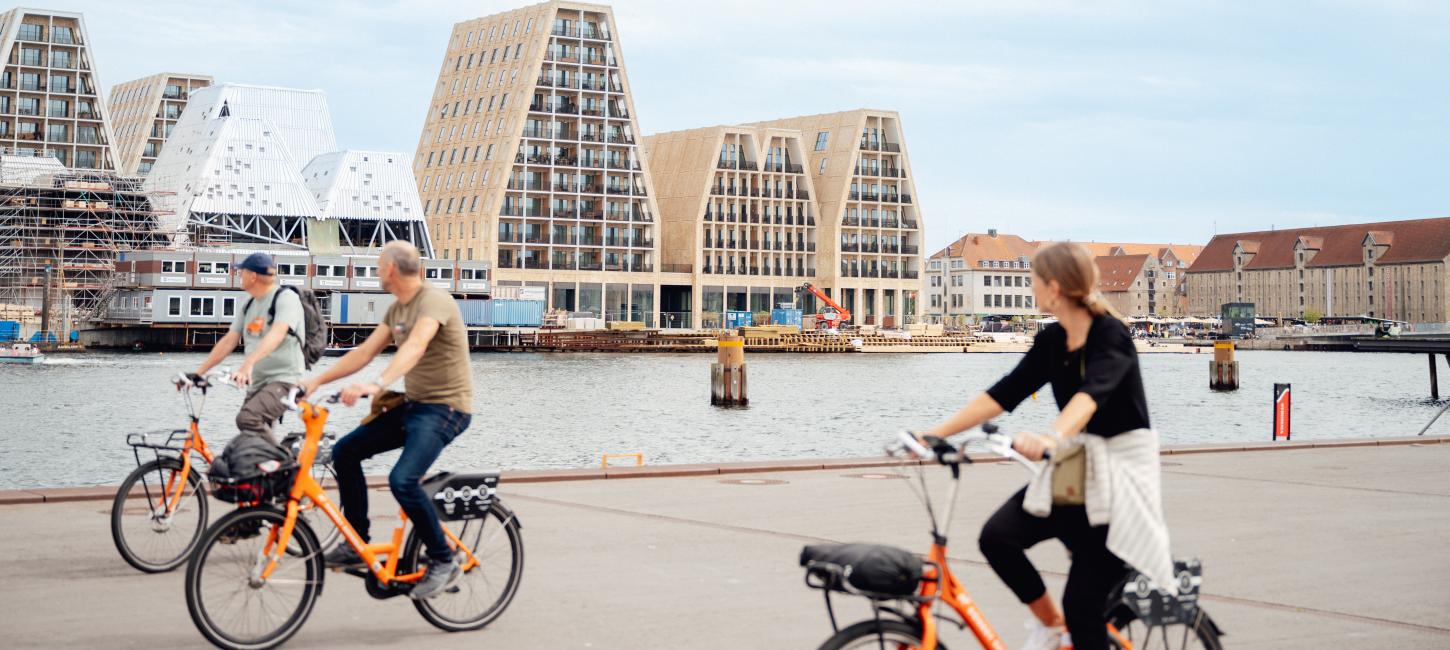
(1042, 637)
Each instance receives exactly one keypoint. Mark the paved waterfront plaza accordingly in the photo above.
(1301, 548)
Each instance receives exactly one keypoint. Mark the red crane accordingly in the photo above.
(834, 314)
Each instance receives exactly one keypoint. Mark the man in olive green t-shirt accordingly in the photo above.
(432, 357)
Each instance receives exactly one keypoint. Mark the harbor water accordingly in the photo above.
(64, 422)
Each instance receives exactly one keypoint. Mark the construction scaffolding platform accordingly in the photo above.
(70, 225)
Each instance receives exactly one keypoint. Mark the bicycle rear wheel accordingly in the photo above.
(147, 537)
(876, 635)
(230, 607)
(1198, 634)
(479, 595)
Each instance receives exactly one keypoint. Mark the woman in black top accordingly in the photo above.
(1090, 360)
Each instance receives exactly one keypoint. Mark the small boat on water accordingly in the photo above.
(336, 351)
(20, 353)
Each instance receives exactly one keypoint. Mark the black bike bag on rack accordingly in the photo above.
(870, 568)
(461, 496)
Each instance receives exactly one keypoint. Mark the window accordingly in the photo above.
(986, 280)
(823, 167)
(173, 306)
(489, 154)
(821, 140)
(59, 34)
(169, 266)
(364, 271)
(203, 267)
(203, 306)
(29, 32)
(229, 307)
(59, 83)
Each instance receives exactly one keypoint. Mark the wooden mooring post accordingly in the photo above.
(1223, 370)
(727, 374)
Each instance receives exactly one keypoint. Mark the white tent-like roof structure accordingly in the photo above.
(258, 165)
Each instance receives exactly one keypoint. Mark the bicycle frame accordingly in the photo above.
(940, 585)
(313, 419)
(193, 443)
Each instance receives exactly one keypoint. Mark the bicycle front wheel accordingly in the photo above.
(150, 534)
(480, 594)
(230, 603)
(1197, 634)
(876, 635)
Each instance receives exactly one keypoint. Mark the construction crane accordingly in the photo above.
(833, 315)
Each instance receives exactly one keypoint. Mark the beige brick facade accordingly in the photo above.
(1392, 270)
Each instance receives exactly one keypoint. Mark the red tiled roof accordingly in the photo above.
(974, 247)
(1419, 240)
(1119, 271)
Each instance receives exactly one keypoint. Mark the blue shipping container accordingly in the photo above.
(518, 313)
(734, 319)
(785, 317)
(9, 331)
(476, 312)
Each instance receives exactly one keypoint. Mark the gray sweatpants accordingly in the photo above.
(262, 408)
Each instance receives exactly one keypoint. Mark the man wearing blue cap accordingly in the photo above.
(271, 326)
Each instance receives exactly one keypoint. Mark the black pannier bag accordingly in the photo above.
(461, 496)
(252, 470)
(871, 568)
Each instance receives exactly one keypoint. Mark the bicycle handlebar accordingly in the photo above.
(290, 402)
(219, 376)
(947, 453)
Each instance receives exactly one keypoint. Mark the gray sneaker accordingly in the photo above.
(439, 576)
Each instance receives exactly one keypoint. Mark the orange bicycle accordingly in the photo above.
(256, 592)
(160, 510)
(907, 592)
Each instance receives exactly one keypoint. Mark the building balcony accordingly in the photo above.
(910, 250)
(532, 186)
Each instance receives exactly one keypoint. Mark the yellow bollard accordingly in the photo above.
(604, 459)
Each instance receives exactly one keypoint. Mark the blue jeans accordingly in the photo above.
(422, 430)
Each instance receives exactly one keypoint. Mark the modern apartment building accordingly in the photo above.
(1390, 269)
(143, 113)
(870, 223)
(48, 99)
(529, 158)
(737, 207)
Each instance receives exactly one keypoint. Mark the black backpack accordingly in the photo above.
(313, 324)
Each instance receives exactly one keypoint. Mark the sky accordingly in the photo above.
(1105, 120)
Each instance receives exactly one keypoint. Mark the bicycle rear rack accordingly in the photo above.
(172, 442)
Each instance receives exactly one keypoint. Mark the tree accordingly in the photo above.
(1313, 316)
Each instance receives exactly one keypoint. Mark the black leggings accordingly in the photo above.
(1094, 574)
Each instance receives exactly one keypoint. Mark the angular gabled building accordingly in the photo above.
(870, 222)
(259, 166)
(736, 206)
(529, 159)
(49, 103)
(143, 113)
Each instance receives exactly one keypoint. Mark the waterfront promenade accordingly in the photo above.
(1302, 547)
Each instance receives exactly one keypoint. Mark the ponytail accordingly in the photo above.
(1098, 305)
(1072, 267)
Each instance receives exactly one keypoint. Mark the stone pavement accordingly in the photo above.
(1301, 548)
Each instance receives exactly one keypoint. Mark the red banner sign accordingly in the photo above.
(1281, 411)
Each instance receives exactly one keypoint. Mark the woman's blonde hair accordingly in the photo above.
(1071, 265)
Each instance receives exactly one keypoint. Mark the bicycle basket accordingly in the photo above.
(256, 489)
(461, 496)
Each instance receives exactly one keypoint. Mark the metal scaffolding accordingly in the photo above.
(71, 225)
